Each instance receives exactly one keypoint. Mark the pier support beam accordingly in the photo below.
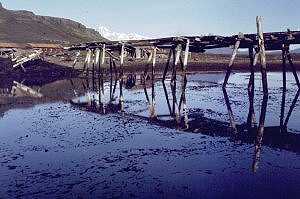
(183, 85)
(261, 126)
(262, 54)
(76, 59)
(282, 111)
(229, 68)
(152, 104)
(176, 59)
(251, 86)
(121, 99)
(87, 61)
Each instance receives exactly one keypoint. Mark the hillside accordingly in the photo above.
(24, 27)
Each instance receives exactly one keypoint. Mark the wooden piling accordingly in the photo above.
(111, 80)
(76, 59)
(229, 67)
(261, 126)
(178, 53)
(251, 114)
(176, 58)
(262, 53)
(97, 57)
(186, 54)
(122, 76)
(282, 109)
(103, 54)
(152, 106)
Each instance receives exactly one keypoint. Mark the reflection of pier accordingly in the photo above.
(178, 51)
(274, 136)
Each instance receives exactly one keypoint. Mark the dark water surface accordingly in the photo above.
(64, 140)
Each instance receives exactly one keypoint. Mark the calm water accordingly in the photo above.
(64, 139)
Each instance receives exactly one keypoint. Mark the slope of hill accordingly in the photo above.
(24, 27)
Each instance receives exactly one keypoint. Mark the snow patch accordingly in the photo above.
(116, 36)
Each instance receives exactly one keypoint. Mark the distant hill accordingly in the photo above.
(25, 27)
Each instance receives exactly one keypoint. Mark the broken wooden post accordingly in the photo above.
(176, 58)
(116, 76)
(251, 80)
(103, 54)
(262, 53)
(261, 126)
(183, 85)
(121, 100)
(183, 100)
(19, 62)
(97, 56)
(99, 92)
(93, 62)
(186, 54)
(251, 114)
(284, 57)
(178, 53)
(87, 61)
(76, 59)
(229, 67)
(152, 106)
(111, 80)
(21, 89)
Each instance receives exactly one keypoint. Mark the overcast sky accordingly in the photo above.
(156, 18)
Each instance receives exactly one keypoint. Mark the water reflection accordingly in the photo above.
(101, 99)
(96, 98)
(98, 93)
(274, 136)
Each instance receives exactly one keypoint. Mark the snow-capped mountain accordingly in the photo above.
(115, 36)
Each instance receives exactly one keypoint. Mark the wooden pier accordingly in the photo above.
(178, 51)
(180, 47)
